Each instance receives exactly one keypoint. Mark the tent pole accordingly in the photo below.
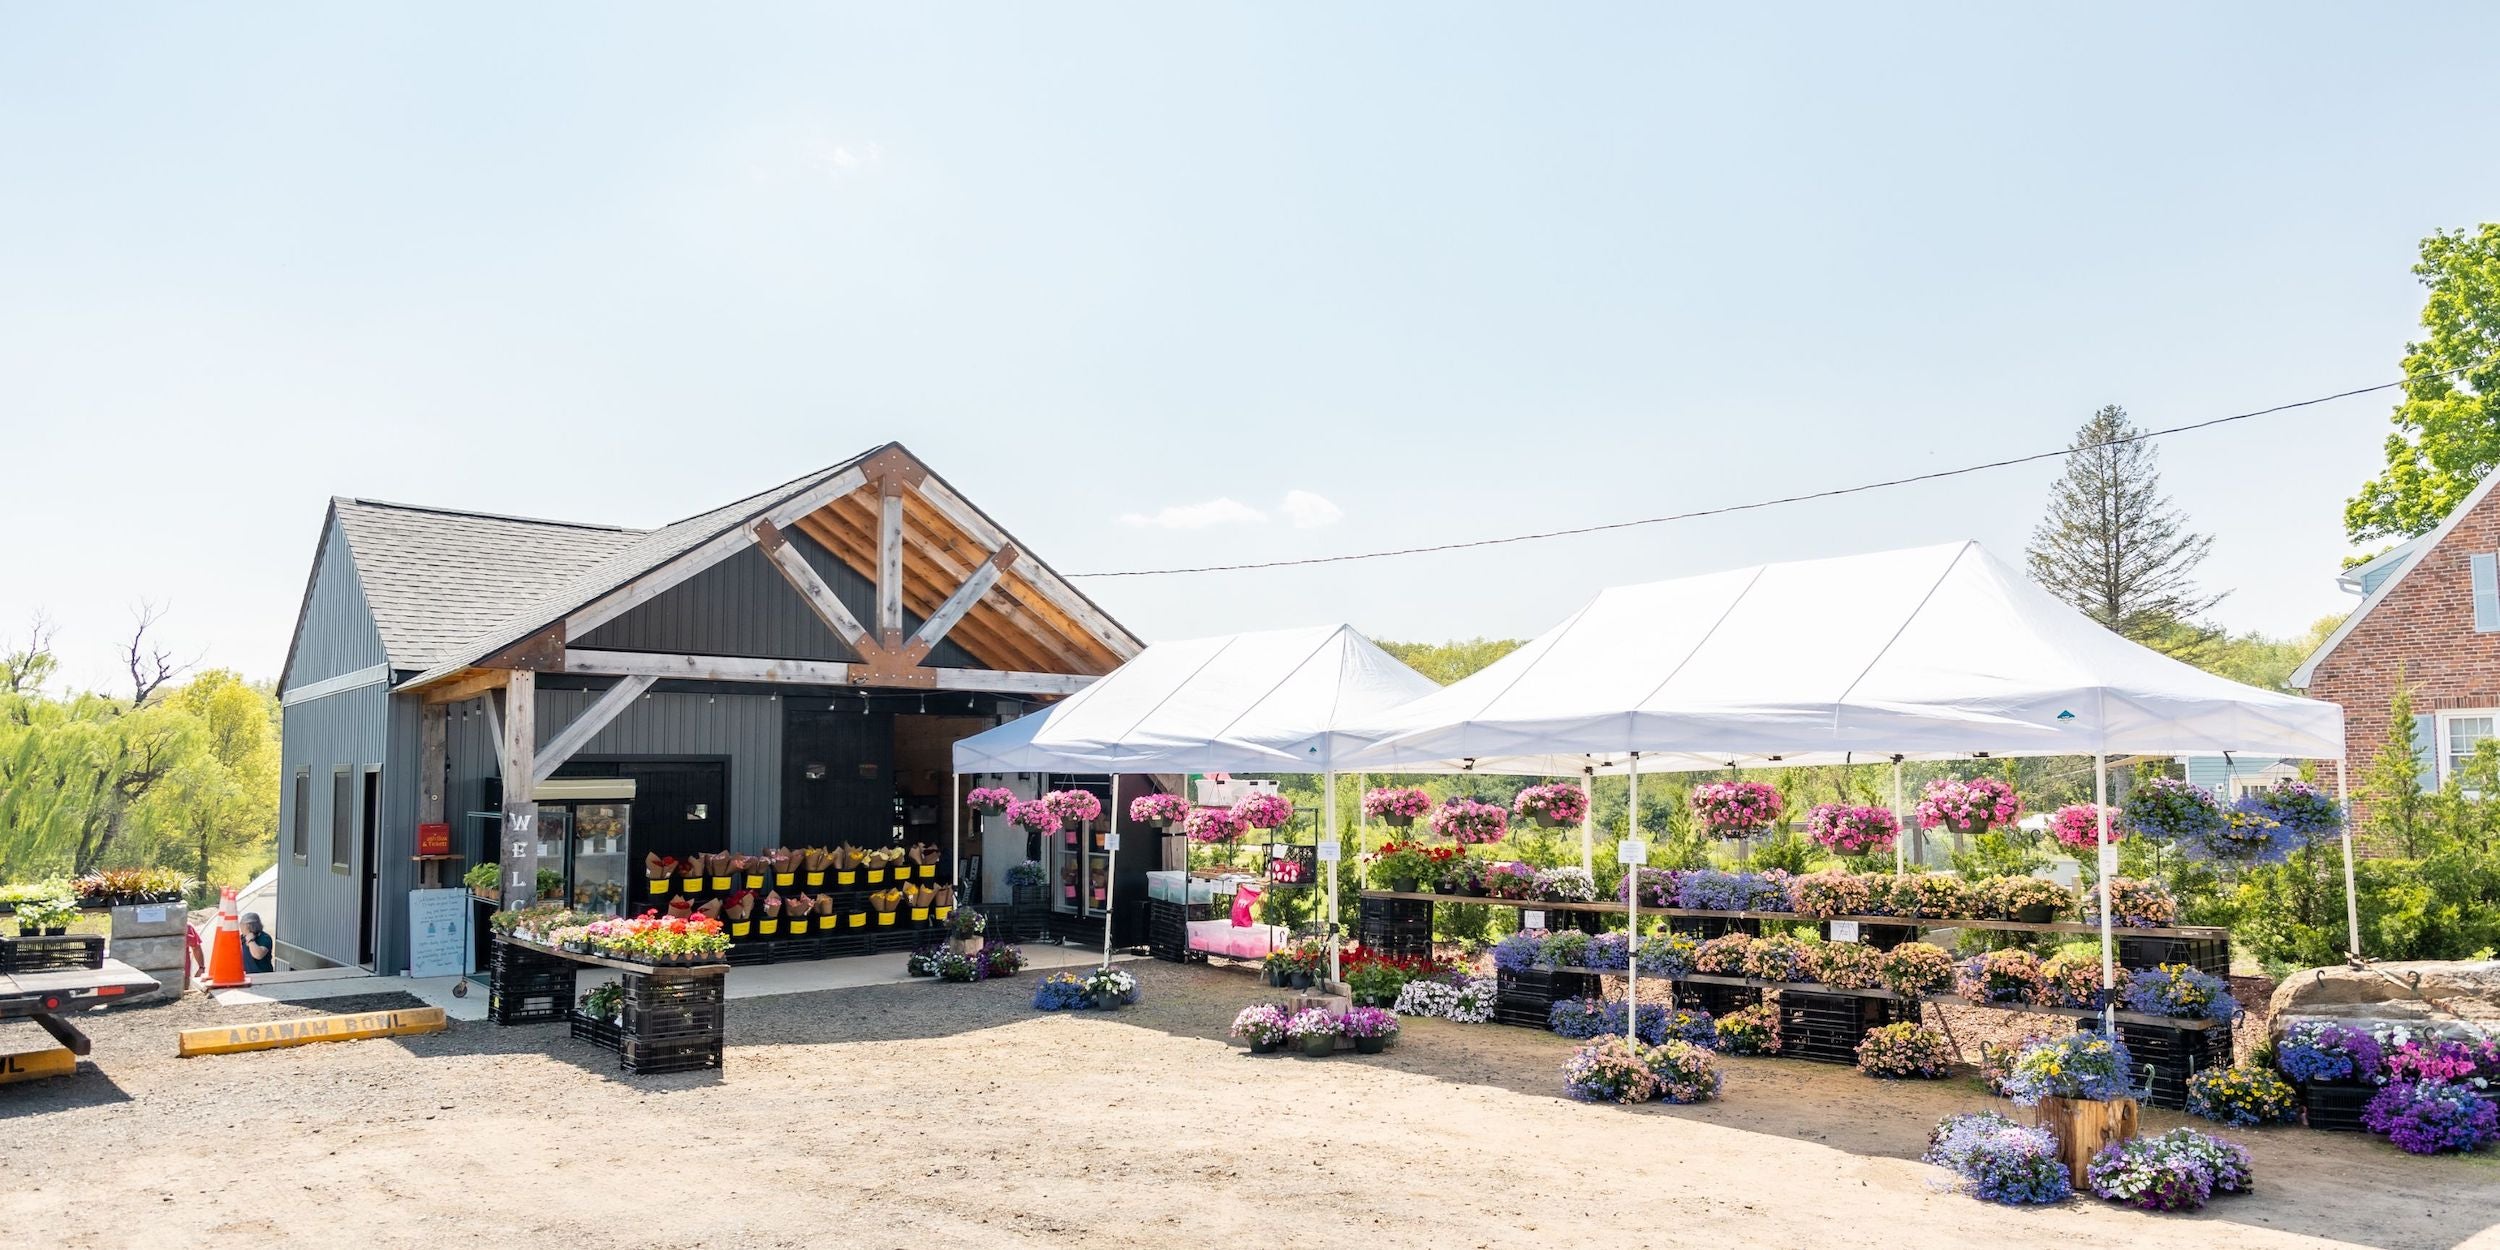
(955, 791)
(1588, 822)
(1900, 821)
(1632, 911)
(1111, 861)
(2108, 864)
(2352, 900)
(1336, 971)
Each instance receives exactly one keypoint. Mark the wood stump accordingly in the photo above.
(2083, 1126)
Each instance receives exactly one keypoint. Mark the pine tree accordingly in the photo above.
(2113, 546)
(2393, 784)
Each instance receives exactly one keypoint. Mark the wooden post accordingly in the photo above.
(433, 748)
(517, 752)
(2083, 1126)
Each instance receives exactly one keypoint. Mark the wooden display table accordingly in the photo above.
(674, 1019)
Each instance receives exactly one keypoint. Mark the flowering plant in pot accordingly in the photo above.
(1315, 1030)
(1027, 874)
(1264, 810)
(2442, 1058)
(964, 929)
(1073, 806)
(2006, 976)
(2167, 809)
(1158, 811)
(1263, 1026)
(2000, 1161)
(1823, 895)
(1735, 809)
(1932, 896)
(1551, 806)
(1033, 816)
(2074, 980)
(1850, 829)
(1520, 951)
(1459, 874)
(2030, 900)
(1000, 959)
(1370, 1028)
(2180, 992)
(2132, 904)
(990, 800)
(1507, 879)
(1846, 965)
(1396, 806)
(2242, 1094)
(1110, 989)
(1471, 823)
(1753, 1030)
(2433, 1117)
(1212, 825)
(1612, 1069)
(1905, 1050)
(1566, 885)
(1779, 957)
(1970, 807)
(1683, 1072)
(1917, 969)
(2321, 1050)
(2090, 1066)
(1061, 991)
(1403, 865)
(2078, 826)
(1723, 955)
(1666, 954)
(2177, 1171)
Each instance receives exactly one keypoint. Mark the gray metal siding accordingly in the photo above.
(741, 606)
(317, 907)
(397, 843)
(336, 634)
(744, 728)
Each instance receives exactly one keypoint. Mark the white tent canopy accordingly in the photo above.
(1928, 652)
(1270, 701)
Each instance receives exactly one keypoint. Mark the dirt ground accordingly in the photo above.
(921, 1115)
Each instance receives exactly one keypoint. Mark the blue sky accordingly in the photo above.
(1446, 271)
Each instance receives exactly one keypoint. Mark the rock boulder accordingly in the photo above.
(2429, 995)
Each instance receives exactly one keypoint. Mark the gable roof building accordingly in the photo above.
(446, 666)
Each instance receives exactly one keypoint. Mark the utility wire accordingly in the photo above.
(1832, 493)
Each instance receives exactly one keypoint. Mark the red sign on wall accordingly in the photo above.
(433, 839)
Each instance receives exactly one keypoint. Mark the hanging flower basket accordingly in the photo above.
(1032, 816)
(1396, 806)
(1471, 823)
(1851, 830)
(1264, 811)
(1736, 809)
(1552, 806)
(1158, 811)
(1073, 806)
(1968, 807)
(1212, 825)
(989, 800)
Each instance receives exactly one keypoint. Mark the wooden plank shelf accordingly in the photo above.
(2208, 932)
(1948, 1000)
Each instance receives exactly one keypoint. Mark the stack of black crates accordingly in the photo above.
(1826, 1028)
(2173, 1054)
(1397, 926)
(672, 1022)
(526, 987)
(1527, 998)
(1167, 929)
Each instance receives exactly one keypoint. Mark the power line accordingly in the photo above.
(1725, 509)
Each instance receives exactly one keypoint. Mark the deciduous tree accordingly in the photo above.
(2447, 435)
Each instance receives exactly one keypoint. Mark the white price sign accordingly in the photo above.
(1330, 851)
(1631, 853)
(1111, 842)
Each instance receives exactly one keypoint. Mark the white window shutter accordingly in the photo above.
(2486, 574)
(2426, 747)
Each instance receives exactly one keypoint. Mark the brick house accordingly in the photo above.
(2430, 609)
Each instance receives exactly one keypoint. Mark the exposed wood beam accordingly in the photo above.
(467, 686)
(933, 630)
(845, 529)
(986, 679)
(890, 568)
(1012, 641)
(586, 725)
(967, 518)
(707, 667)
(433, 747)
(518, 745)
(804, 579)
(1044, 648)
(817, 496)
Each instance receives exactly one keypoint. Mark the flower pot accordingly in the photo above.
(1370, 1045)
(1398, 822)
(1402, 885)
(876, 876)
(768, 927)
(919, 915)
(1320, 1046)
(798, 926)
(785, 878)
(859, 920)
(941, 913)
(847, 876)
(2082, 1127)
(1265, 1048)
(1544, 821)
(658, 886)
(2036, 913)
(755, 881)
(926, 871)
(965, 945)
(1298, 980)
(1444, 887)
(741, 928)
(885, 918)
(815, 878)
(720, 883)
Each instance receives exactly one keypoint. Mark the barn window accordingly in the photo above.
(342, 819)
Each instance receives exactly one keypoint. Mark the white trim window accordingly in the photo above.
(2460, 729)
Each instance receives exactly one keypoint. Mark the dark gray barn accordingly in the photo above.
(789, 669)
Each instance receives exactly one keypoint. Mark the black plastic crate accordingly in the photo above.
(1718, 1000)
(1167, 929)
(649, 1059)
(62, 953)
(2208, 955)
(1882, 937)
(1393, 926)
(1826, 1028)
(600, 1033)
(525, 987)
(1528, 998)
(2335, 1106)
(1707, 927)
(2173, 1055)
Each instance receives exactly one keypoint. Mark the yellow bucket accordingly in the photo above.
(720, 883)
(691, 885)
(815, 878)
(919, 914)
(876, 875)
(885, 917)
(659, 885)
(942, 912)
(740, 928)
(859, 920)
(928, 870)
(798, 925)
(848, 876)
(768, 926)
(755, 881)
(784, 878)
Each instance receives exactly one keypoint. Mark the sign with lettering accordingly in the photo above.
(1844, 930)
(1330, 851)
(34, 1065)
(155, 913)
(438, 933)
(1632, 851)
(1531, 920)
(231, 1039)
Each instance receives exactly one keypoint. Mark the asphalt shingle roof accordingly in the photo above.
(436, 578)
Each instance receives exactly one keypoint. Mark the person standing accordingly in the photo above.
(258, 946)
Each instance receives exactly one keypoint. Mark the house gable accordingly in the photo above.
(742, 606)
(335, 633)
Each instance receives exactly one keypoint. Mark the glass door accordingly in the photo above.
(555, 843)
(599, 880)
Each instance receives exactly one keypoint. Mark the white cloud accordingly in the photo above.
(1309, 511)
(1193, 516)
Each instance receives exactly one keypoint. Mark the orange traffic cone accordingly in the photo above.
(225, 953)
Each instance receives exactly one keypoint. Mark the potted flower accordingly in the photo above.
(1611, 1069)
(1551, 806)
(1848, 829)
(2029, 900)
(1212, 825)
(1915, 970)
(1263, 1026)
(1403, 865)
(1158, 811)
(2181, 993)
(1264, 810)
(1396, 806)
(1110, 989)
(1371, 1028)
(2077, 826)
(1968, 807)
(486, 882)
(1074, 807)
(2167, 809)
(2006, 976)
(1315, 1030)
(964, 929)
(2242, 1094)
(1459, 874)
(2132, 904)
(2176, 1171)
(1904, 1050)
(48, 914)
(1471, 823)
(2081, 1085)
(990, 800)
(1735, 809)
